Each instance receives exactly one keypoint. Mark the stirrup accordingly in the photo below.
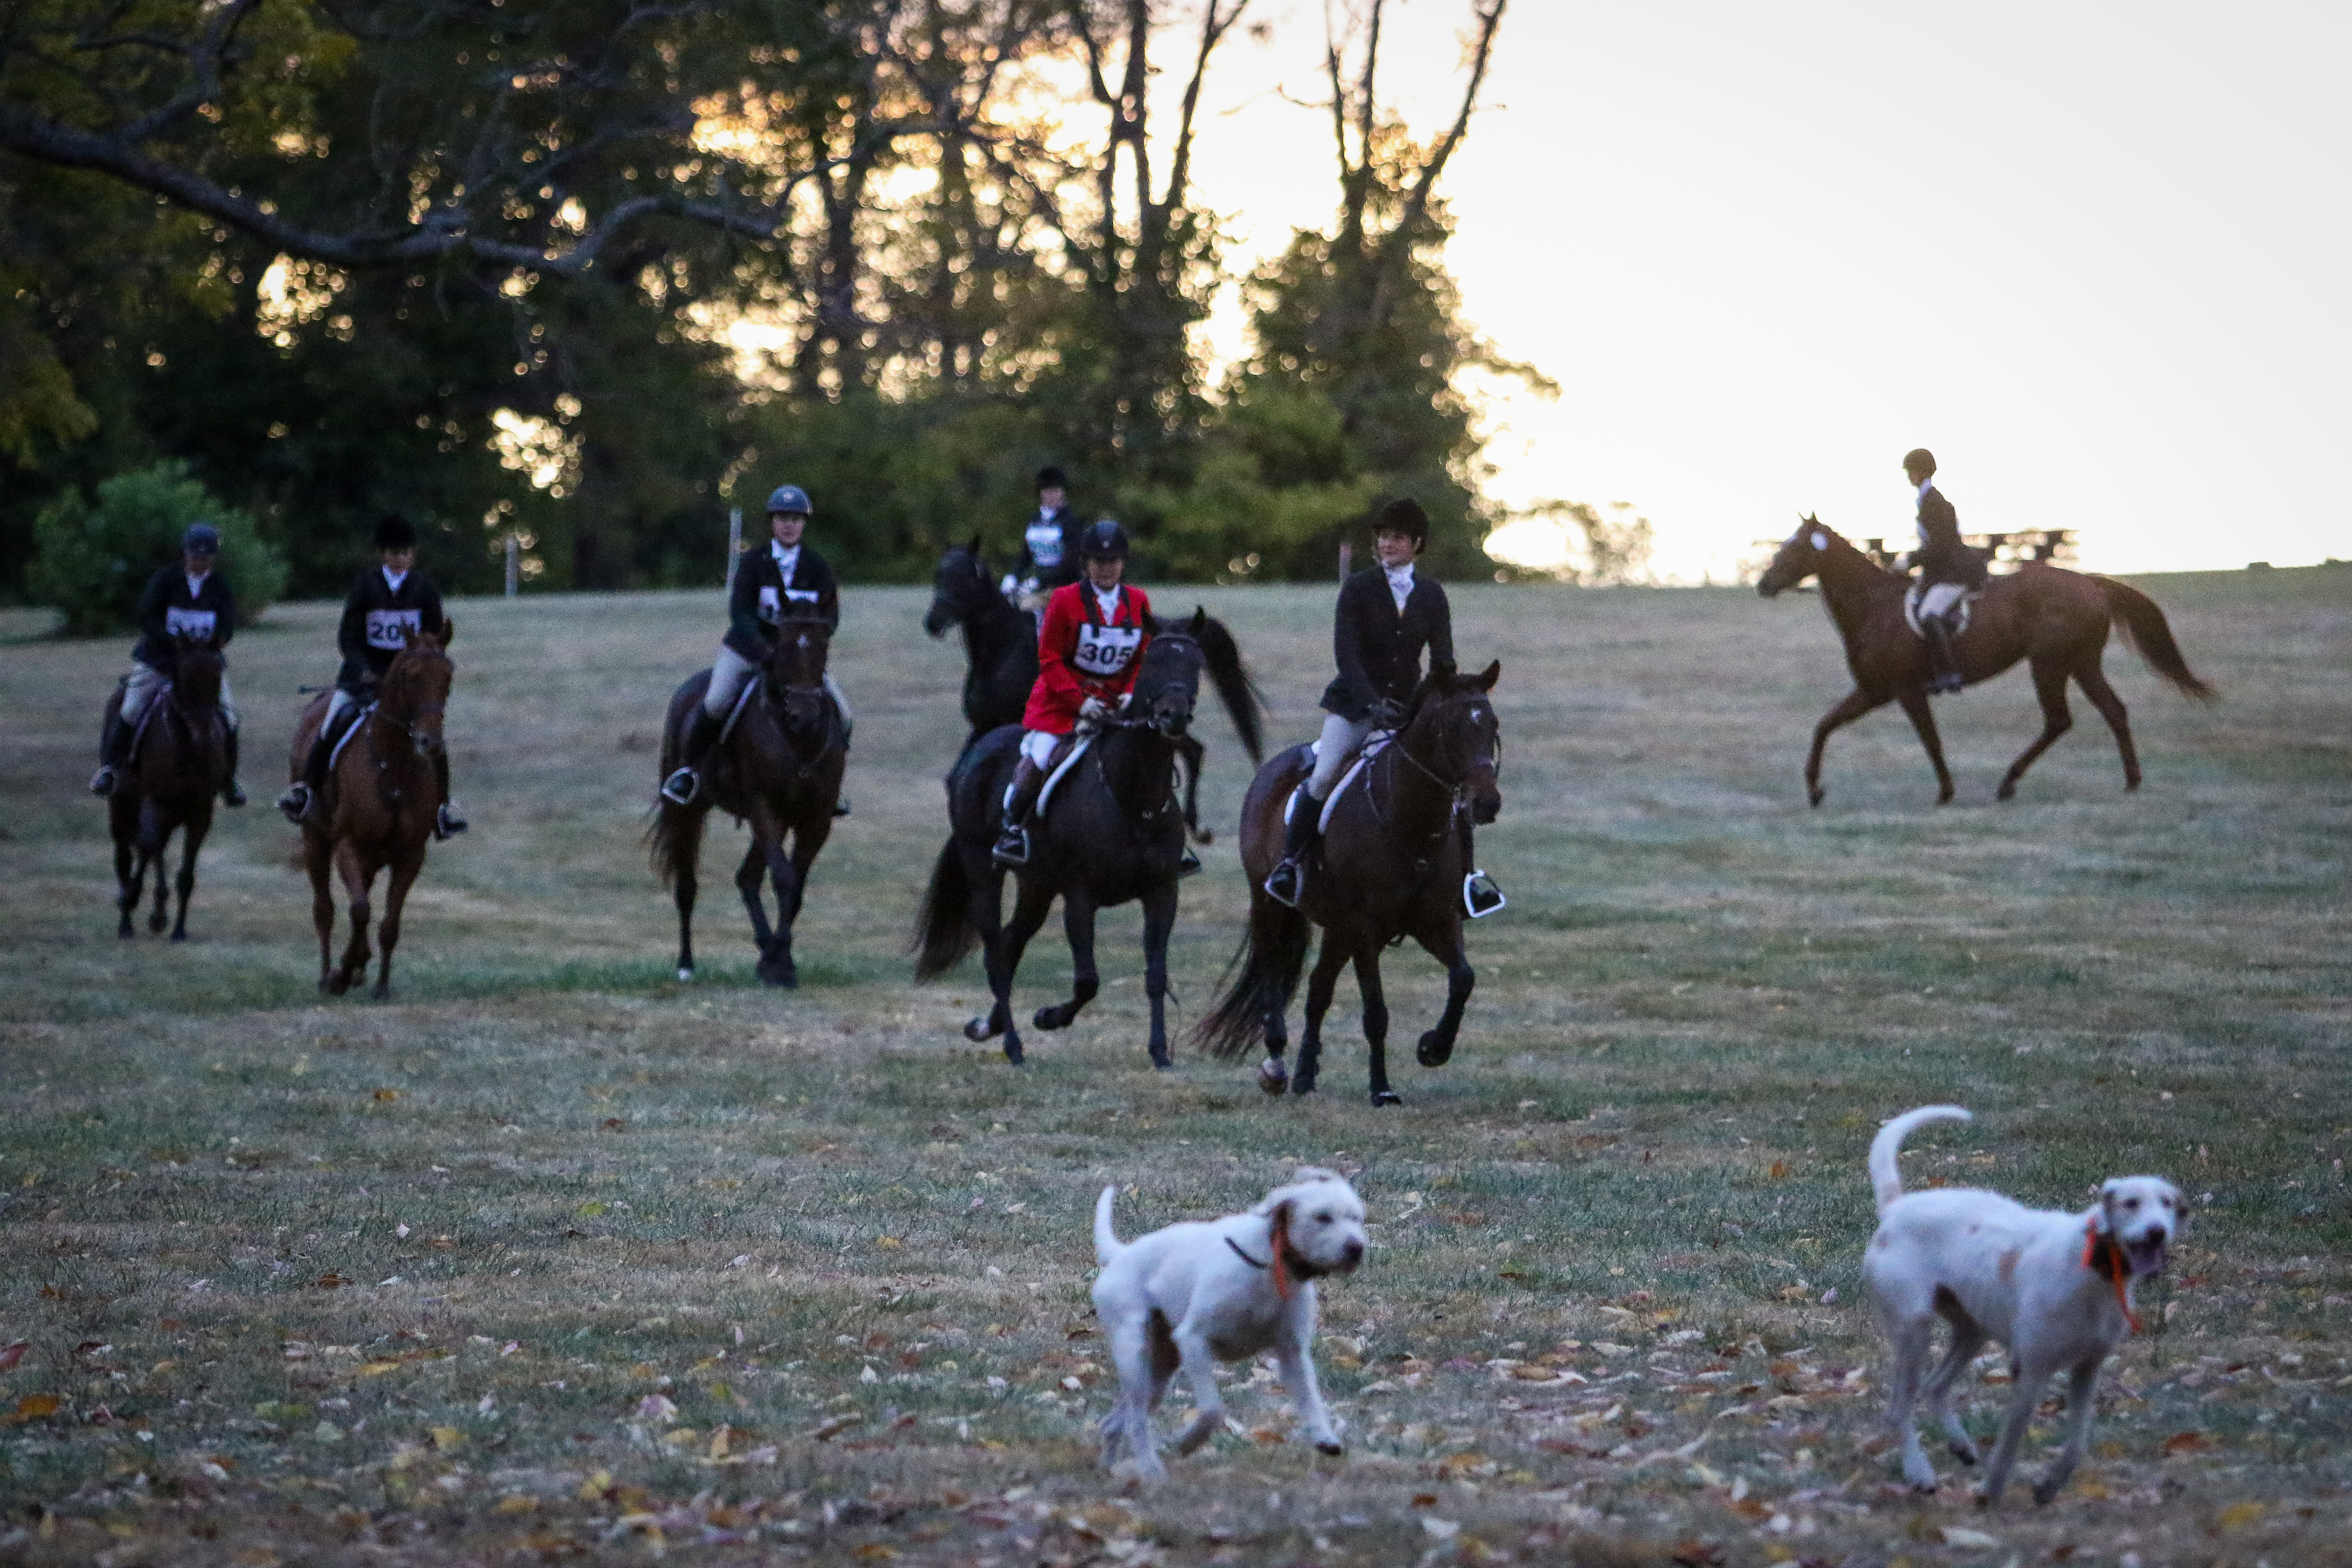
(295, 803)
(1480, 896)
(103, 782)
(1188, 863)
(1286, 882)
(233, 793)
(841, 805)
(447, 820)
(681, 787)
(1011, 846)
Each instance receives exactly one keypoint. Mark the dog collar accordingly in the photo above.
(2102, 1256)
(1284, 1263)
(1245, 1257)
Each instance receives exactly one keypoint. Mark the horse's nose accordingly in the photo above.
(1486, 808)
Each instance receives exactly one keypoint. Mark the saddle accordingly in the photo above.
(1951, 606)
(1063, 763)
(1481, 895)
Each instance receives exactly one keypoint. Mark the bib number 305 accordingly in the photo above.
(1107, 651)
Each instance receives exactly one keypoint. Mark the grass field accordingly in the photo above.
(553, 1258)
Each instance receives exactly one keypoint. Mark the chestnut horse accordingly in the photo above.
(179, 765)
(779, 767)
(377, 809)
(2056, 619)
(1395, 853)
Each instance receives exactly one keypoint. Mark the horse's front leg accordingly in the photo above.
(1376, 1019)
(1029, 910)
(748, 878)
(1079, 925)
(1189, 748)
(191, 838)
(126, 872)
(1158, 921)
(387, 935)
(317, 860)
(1444, 944)
(357, 876)
(1923, 719)
(2050, 687)
(776, 966)
(154, 844)
(1855, 704)
(1321, 983)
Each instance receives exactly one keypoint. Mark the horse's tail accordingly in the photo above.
(943, 932)
(675, 840)
(1272, 952)
(2144, 628)
(1244, 703)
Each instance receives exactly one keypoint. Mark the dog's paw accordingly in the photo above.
(1963, 1450)
(1332, 1449)
(2045, 1492)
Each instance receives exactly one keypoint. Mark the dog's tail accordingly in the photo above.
(1107, 1246)
(1885, 1175)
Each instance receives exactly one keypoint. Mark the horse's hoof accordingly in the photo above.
(2006, 792)
(384, 993)
(1272, 1076)
(179, 936)
(125, 932)
(1160, 1060)
(1433, 1052)
(685, 973)
(977, 1030)
(1815, 795)
(1386, 1097)
(783, 977)
(156, 923)
(1012, 1049)
(1303, 1084)
(1203, 836)
(1050, 1018)
(337, 986)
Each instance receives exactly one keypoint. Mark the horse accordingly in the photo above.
(1112, 833)
(178, 765)
(376, 811)
(779, 767)
(1000, 657)
(2056, 619)
(1395, 862)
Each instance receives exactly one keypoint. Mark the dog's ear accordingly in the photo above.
(1308, 1174)
(2102, 1221)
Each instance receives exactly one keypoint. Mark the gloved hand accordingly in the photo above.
(1387, 713)
(1093, 710)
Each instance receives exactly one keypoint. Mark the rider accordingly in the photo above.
(1087, 655)
(188, 600)
(786, 577)
(1388, 613)
(386, 603)
(1049, 555)
(1948, 569)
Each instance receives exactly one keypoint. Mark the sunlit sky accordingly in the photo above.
(2092, 254)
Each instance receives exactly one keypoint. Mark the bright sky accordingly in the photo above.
(2094, 254)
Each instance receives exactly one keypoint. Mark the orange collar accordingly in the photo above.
(2102, 1256)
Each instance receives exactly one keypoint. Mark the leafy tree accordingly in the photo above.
(93, 560)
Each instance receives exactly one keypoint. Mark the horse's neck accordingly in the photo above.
(1852, 586)
(1136, 763)
(994, 629)
(1411, 787)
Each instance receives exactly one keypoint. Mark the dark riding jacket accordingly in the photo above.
(762, 597)
(167, 610)
(1049, 549)
(1942, 555)
(375, 616)
(1379, 650)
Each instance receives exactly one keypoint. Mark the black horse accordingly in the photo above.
(1000, 659)
(1112, 833)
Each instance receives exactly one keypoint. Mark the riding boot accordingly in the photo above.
(683, 785)
(1286, 883)
(303, 793)
(232, 792)
(447, 819)
(1012, 847)
(848, 727)
(1943, 665)
(110, 760)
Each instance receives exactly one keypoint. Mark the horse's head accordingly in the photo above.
(1168, 683)
(794, 673)
(958, 587)
(1799, 557)
(1451, 729)
(197, 670)
(415, 692)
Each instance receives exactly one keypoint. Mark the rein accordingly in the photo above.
(1126, 721)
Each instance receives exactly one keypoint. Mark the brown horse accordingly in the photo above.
(2056, 619)
(179, 764)
(1394, 860)
(376, 811)
(779, 767)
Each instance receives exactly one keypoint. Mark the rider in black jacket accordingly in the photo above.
(1388, 614)
(1948, 571)
(387, 602)
(1049, 544)
(191, 600)
(787, 578)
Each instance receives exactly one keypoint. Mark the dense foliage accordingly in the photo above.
(587, 272)
(91, 561)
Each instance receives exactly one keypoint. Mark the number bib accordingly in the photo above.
(196, 625)
(1105, 652)
(390, 629)
(1045, 542)
(772, 604)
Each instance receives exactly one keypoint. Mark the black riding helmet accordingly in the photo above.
(1103, 540)
(1405, 516)
(393, 531)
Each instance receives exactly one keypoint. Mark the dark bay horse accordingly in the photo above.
(180, 764)
(2056, 619)
(1112, 833)
(1392, 863)
(377, 809)
(1000, 659)
(779, 769)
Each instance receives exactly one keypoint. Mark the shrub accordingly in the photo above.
(91, 562)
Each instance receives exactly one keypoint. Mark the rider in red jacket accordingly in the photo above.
(1087, 655)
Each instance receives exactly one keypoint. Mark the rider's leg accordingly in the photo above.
(447, 819)
(232, 792)
(1338, 743)
(139, 689)
(1021, 796)
(848, 728)
(300, 794)
(729, 671)
(1939, 605)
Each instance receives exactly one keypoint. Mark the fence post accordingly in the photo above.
(514, 564)
(1347, 558)
(734, 544)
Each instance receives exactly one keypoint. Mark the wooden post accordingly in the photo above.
(1346, 559)
(734, 544)
(514, 563)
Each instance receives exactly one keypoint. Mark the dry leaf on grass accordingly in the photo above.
(13, 1353)
(32, 1407)
(2239, 1515)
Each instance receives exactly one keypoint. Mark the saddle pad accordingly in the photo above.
(147, 717)
(1958, 616)
(358, 720)
(1045, 795)
(1374, 746)
(743, 700)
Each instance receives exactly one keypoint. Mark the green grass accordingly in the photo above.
(328, 1282)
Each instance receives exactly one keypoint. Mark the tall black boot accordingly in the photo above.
(1286, 883)
(232, 792)
(447, 819)
(1012, 847)
(303, 793)
(111, 738)
(1943, 665)
(683, 785)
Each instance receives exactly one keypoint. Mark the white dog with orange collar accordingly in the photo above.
(1203, 1291)
(2055, 1288)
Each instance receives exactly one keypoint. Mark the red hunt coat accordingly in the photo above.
(1081, 654)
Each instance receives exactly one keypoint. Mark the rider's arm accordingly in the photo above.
(351, 635)
(743, 626)
(1440, 632)
(155, 602)
(225, 619)
(1055, 641)
(828, 590)
(1347, 647)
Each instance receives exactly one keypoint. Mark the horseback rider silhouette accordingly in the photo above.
(387, 604)
(1948, 571)
(1092, 644)
(191, 600)
(788, 579)
(1388, 613)
(1049, 545)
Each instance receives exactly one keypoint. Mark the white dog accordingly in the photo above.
(2054, 1288)
(1201, 1292)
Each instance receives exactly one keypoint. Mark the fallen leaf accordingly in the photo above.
(516, 1504)
(875, 1552)
(447, 1437)
(615, 1124)
(657, 1407)
(1441, 1528)
(2187, 1443)
(386, 1096)
(1957, 1535)
(1780, 1169)
(2239, 1515)
(32, 1406)
(332, 1282)
(12, 1355)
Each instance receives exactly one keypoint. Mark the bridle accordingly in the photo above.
(407, 726)
(1456, 789)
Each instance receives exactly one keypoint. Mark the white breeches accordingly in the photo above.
(731, 669)
(1938, 598)
(139, 689)
(1038, 745)
(338, 703)
(1334, 750)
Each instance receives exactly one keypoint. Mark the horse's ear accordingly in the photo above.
(449, 631)
(974, 547)
(1199, 620)
(1488, 676)
(408, 635)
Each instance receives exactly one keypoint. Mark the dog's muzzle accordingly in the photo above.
(2147, 1254)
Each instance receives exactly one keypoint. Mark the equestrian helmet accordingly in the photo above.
(1403, 515)
(202, 539)
(788, 498)
(393, 531)
(1103, 540)
(1919, 463)
(1051, 477)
